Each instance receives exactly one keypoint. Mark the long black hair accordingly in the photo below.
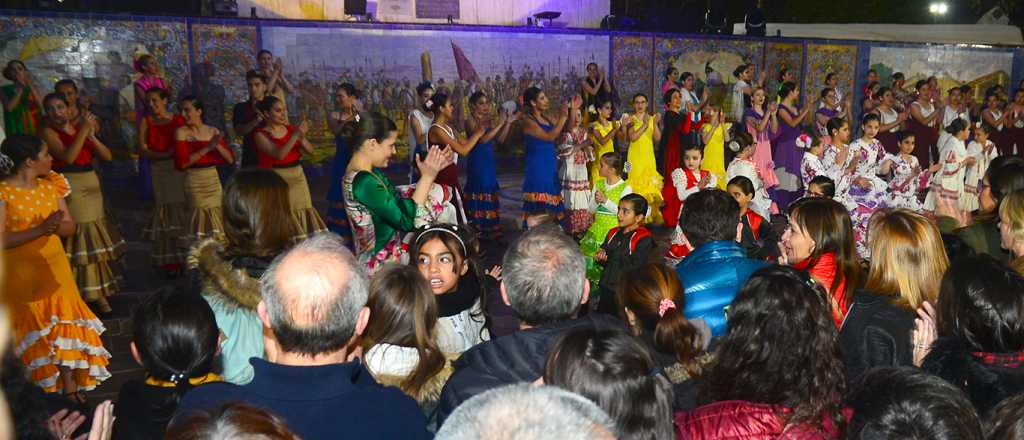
(980, 304)
(757, 360)
(18, 148)
(175, 335)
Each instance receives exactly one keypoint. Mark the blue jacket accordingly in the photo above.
(711, 275)
(335, 401)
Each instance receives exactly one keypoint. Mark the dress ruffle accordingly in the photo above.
(69, 337)
(165, 228)
(94, 250)
(482, 209)
(309, 222)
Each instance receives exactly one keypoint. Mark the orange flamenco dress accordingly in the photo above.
(52, 325)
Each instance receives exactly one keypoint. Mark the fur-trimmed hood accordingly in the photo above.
(986, 385)
(429, 393)
(220, 279)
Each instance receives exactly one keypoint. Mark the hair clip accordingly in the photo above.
(429, 103)
(6, 164)
(664, 306)
(356, 117)
(734, 147)
(591, 109)
(803, 141)
(627, 166)
(176, 377)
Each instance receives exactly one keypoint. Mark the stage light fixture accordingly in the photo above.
(938, 8)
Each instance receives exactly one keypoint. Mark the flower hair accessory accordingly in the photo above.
(356, 117)
(591, 109)
(429, 103)
(734, 146)
(664, 305)
(6, 164)
(803, 141)
(627, 166)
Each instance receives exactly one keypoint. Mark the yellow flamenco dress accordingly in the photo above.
(52, 325)
(642, 172)
(601, 149)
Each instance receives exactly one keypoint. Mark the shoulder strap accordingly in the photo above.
(611, 233)
(638, 235)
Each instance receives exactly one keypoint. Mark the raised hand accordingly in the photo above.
(924, 333)
(435, 161)
(495, 272)
(304, 128)
(102, 422)
(63, 423)
(577, 102)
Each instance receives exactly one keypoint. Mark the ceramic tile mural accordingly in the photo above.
(823, 59)
(632, 69)
(387, 65)
(778, 56)
(224, 53)
(712, 61)
(953, 67)
(98, 55)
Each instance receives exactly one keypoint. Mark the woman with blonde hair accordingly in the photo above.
(1011, 228)
(907, 263)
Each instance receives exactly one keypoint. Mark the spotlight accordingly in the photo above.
(938, 8)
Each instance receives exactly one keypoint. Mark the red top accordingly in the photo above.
(160, 137)
(184, 149)
(266, 161)
(825, 271)
(84, 156)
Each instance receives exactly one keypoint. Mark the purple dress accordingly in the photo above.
(787, 163)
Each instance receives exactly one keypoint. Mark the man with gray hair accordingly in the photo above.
(528, 412)
(544, 281)
(313, 310)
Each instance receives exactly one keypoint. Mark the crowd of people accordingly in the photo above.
(780, 270)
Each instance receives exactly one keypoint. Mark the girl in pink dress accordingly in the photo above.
(763, 126)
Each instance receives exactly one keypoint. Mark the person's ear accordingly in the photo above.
(465, 268)
(586, 291)
(135, 353)
(362, 321)
(504, 295)
(261, 311)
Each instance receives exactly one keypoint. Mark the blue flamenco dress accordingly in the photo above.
(337, 219)
(482, 191)
(541, 189)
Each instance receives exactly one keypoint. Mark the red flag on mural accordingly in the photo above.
(466, 70)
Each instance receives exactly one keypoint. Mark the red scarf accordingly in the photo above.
(824, 270)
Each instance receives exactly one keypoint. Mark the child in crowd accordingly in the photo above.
(811, 165)
(445, 258)
(907, 176)
(948, 183)
(983, 150)
(838, 158)
(758, 237)
(688, 180)
(714, 133)
(609, 188)
(626, 247)
(743, 165)
(821, 186)
(398, 344)
(175, 339)
(575, 152)
(866, 192)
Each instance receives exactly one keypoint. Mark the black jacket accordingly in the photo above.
(986, 385)
(875, 333)
(507, 360)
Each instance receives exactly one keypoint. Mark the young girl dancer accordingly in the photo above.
(763, 125)
(418, 124)
(643, 130)
(442, 134)
(837, 158)
(983, 150)
(811, 165)
(713, 133)
(689, 179)
(482, 205)
(743, 165)
(575, 152)
(866, 191)
(948, 184)
(609, 188)
(908, 178)
(603, 131)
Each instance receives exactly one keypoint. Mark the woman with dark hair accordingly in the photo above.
(418, 124)
(615, 371)
(906, 402)
(653, 300)
(346, 97)
(279, 147)
(482, 190)
(949, 183)
(907, 262)
(541, 188)
(233, 420)
(1005, 175)
(149, 78)
(1006, 420)
(923, 122)
(174, 339)
(762, 123)
(595, 85)
(1000, 119)
(675, 136)
(672, 79)
(786, 154)
(23, 103)
(380, 218)
(273, 69)
(826, 112)
(773, 388)
(819, 240)
(693, 104)
(96, 244)
(443, 135)
(398, 344)
(980, 336)
(642, 131)
(156, 142)
(229, 274)
(890, 121)
(198, 150)
(55, 335)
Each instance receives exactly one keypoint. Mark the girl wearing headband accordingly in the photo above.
(446, 256)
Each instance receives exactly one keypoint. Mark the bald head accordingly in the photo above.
(313, 294)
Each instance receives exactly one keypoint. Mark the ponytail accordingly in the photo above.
(654, 295)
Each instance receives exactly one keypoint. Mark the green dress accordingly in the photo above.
(23, 119)
(378, 217)
(605, 218)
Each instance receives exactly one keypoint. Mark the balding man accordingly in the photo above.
(544, 281)
(313, 310)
